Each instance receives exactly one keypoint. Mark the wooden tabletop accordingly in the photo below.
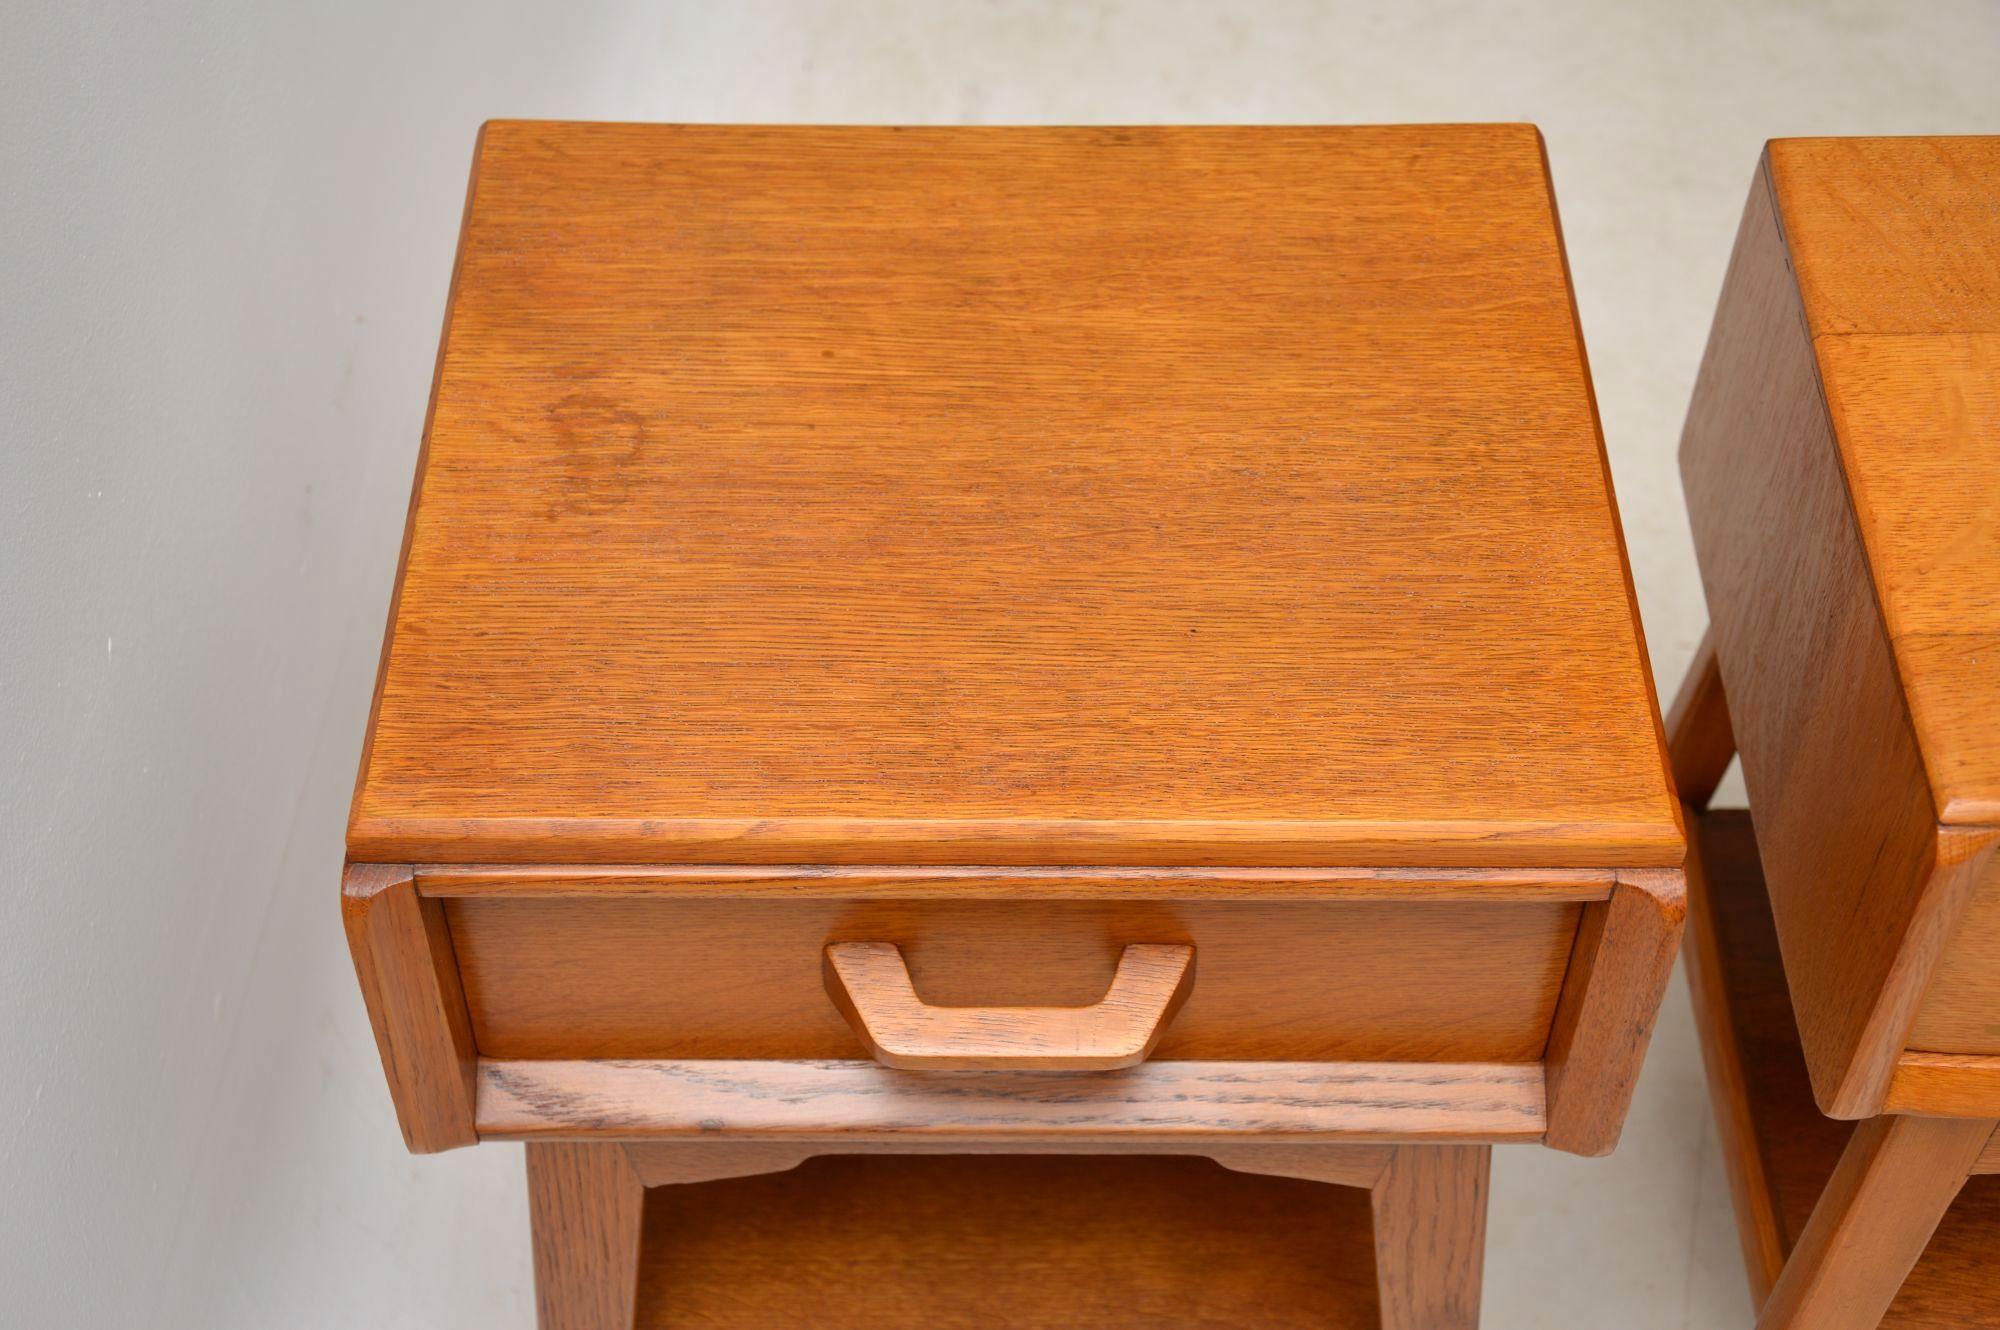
(1896, 243)
(1033, 496)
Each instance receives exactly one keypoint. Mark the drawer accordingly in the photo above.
(582, 977)
(986, 1006)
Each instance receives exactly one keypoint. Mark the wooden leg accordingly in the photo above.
(1700, 741)
(1430, 1219)
(585, 1205)
(1758, 1226)
(1430, 1236)
(1873, 1221)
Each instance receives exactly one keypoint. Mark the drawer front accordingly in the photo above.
(1311, 980)
(1961, 1009)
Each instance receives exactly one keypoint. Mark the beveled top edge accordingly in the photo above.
(1018, 843)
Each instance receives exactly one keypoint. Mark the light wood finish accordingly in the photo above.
(740, 617)
(1733, 1011)
(1700, 744)
(1945, 1084)
(1739, 1022)
(1340, 1165)
(937, 505)
(1843, 490)
(1779, 1149)
(1872, 1222)
(1866, 885)
(680, 1162)
(1916, 416)
(1894, 242)
(971, 1242)
(1961, 1011)
(920, 882)
(858, 536)
(1989, 1157)
(870, 983)
(409, 980)
(1894, 235)
(665, 1163)
(1430, 1236)
(586, 1206)
(1617, 975)
(1297, 1101)
(1428, 1207)
(686, 977)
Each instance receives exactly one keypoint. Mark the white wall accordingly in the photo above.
(227, 229)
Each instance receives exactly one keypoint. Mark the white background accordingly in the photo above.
(225, 234)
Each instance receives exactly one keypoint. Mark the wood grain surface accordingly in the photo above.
(879, 882)
(870, 983)
(586, 1207)
(1989, 1157)
(858, 495)
(401, 947)
(1961, 1011)
(1430, 1236)
(1865, 887)
(1916, 417)
(670, 1163)
(1893, 235)
(1872, 1222)
(1477, 1103)
(1779, 1150)
(1700, 742)
(674, 1163)
(1958, 1085)
(684, 977)
(1843, 489)
(967, 1243)
(1743, 1016)
(1617, 975)
(1896, 243)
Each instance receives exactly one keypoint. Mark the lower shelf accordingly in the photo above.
(948, 1241)
(1790, 1146)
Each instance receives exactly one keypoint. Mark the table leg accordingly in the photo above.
(1874, 1219)
(1430, 1236)
(585, 1207)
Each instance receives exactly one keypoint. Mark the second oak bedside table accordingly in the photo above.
(976, 642)
(1842, 466)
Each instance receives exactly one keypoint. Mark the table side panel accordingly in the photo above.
(1845, 816)
(1916, 417)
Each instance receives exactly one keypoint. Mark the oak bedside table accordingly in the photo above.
(1842, 466)
(972, 715)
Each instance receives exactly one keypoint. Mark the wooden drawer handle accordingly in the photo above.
(870, 983)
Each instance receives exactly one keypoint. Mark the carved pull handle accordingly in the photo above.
(870, 983)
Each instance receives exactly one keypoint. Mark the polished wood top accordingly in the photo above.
(1115, 496)
(1896, 243)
